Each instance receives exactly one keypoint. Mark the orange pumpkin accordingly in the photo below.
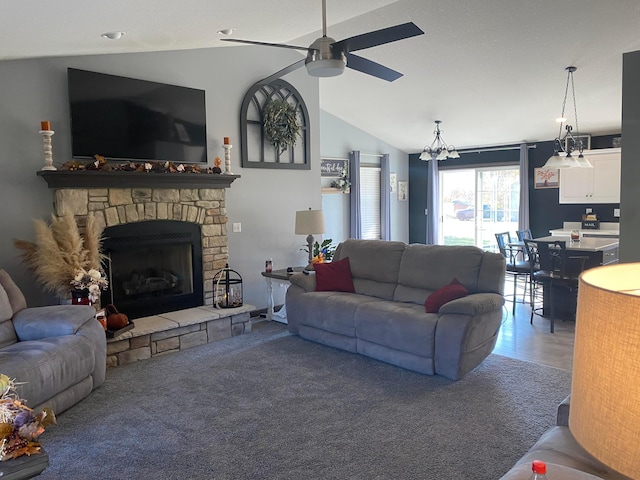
(115, 319)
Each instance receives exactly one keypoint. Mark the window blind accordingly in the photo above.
(370, 202)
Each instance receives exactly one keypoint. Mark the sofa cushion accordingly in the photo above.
(374, 265)
(402, 326)
(48, 366)
(16, 298)
(426, 268)
(334, 277)
(333, 311)
(7, 332)
(444, 295)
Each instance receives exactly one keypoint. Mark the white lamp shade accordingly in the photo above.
(561, 160)
(309, 222)
(605, 393)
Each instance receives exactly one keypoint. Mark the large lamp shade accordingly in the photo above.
(309, 222)
(605, 395)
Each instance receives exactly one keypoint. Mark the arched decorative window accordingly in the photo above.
(257, 148)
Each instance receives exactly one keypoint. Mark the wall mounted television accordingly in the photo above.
(127, 119)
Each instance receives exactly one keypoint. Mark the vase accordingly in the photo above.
(80, 297)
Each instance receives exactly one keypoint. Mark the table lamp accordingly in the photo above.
(605, 393)
(309, 222)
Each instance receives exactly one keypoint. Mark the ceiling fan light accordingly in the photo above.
(325, 67)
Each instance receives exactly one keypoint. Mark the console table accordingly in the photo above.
(281, 276)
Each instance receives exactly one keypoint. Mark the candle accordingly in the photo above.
(45, 125)
(227, 141)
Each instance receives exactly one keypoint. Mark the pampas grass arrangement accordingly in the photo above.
(60, 252)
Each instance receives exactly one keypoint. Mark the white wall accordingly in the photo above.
(264, 201)
(629, 197)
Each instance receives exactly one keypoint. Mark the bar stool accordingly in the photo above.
(515, 268)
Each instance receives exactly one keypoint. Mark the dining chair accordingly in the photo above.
(551, 268)
(524, 234)
(516, 268)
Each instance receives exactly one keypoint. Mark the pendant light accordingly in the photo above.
(566, 145)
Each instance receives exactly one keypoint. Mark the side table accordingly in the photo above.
(281, 276)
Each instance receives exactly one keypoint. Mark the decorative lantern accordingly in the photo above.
(227, 288)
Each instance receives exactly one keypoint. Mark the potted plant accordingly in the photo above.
(63, 259)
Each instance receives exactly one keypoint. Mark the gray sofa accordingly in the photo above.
(565, 458)
(385, 318)
(57, 354)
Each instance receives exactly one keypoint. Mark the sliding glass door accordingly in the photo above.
(476, 203)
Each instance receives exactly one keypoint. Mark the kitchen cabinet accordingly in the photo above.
(600, 184)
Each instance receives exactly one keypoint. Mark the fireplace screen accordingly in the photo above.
(154, 267)
(151, 272)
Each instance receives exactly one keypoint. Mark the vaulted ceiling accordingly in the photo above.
(493, 70)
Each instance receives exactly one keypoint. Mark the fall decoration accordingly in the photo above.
(20, 426)
(115, 319)
(322, 252)
(100, 164)
(62, 258)
(280, 121)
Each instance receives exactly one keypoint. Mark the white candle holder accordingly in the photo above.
(227, 159)
(48, 151)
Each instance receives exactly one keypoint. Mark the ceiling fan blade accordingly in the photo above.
(282, 73)
(372, 68)
(264, 44)
(378, 37)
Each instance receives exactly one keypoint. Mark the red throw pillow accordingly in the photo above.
(334, 276)
(443, 295)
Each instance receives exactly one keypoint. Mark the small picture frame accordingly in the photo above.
(393, 182)
(546, 178)
(403, 191)
(571, 142)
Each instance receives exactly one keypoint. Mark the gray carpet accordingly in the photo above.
(270, 405)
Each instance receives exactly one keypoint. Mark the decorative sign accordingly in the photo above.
(332, 167)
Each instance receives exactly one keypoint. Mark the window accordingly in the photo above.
(370, 202)
(476, 203)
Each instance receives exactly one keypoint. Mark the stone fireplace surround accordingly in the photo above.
(117, 198)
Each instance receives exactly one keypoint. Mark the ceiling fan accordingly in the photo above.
(327, 58)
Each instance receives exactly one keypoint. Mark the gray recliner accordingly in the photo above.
(56, 354)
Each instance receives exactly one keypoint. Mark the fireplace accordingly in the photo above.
(137, 207)
(153, 267)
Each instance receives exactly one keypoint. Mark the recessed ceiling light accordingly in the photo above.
(113, 35)
(226, 31)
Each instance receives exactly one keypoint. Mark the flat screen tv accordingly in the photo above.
(136, 120)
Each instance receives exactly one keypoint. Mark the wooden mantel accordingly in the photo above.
(119, 179)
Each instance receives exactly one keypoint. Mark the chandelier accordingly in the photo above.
(438, 150)
(566, 145)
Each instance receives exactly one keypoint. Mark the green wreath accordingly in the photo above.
(281, 125)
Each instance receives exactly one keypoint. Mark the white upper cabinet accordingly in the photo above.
(600, 184)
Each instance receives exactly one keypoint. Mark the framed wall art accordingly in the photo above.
(546, 178)
(403, 191)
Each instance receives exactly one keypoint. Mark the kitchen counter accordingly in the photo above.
(588, 233)
(607, 229)
(588, 244)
